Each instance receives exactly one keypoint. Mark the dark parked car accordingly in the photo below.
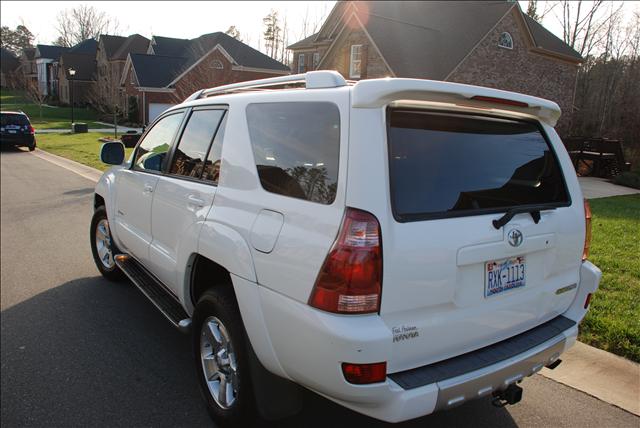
(16, 130)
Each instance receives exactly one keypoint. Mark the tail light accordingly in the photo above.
(587, 301)
(350, 280)
(32, 130)
(587, 236)
(361, 374)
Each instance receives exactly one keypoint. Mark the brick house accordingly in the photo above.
(82, 59)
(28, 68)
(8, 66)
(172, 69)
(491, 44)
(111, 57)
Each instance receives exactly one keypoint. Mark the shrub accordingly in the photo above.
(629, 179)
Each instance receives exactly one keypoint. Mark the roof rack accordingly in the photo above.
(311, 80)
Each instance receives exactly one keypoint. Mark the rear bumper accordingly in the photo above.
(307, 346)
(17, 139)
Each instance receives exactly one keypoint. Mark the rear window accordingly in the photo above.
(446, 165)
(296, 147)
(14, 119)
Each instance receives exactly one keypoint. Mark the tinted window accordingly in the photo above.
(188, 159)
(455, 164)
(152, 151)
(14, 119)
(296, 148)
(212, 167)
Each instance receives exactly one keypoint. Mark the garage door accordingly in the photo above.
(156, 109)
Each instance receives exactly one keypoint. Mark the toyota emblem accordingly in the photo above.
(515, 237)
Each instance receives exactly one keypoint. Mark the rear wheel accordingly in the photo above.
(102, 247)
(221, 359)
(32, 147)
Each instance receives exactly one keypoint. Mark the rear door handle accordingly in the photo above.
(148, 188)
(194, 200)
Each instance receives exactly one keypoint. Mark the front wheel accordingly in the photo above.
(221, 359)
(102, 247)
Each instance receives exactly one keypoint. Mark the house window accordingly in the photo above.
(131, 79)
(217, 64)
(301, 63)
(356, 61)
(505, 41)
(316, 60)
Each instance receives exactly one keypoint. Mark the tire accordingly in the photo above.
(217, 309)
(107, 267)
(32, 147)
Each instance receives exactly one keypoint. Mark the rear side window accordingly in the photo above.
(189, 157)
(445, 165)
(14, 119)
(296, 147)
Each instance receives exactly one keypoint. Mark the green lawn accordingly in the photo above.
(53, 117)
(83, 148)
(613, 322)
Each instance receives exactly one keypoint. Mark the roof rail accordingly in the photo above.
(311, 79)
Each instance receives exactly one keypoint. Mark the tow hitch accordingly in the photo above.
(511, 395)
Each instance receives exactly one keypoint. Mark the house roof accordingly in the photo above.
(29, 53)
(111, 44)
(547, 40)
(155, 71)
(85, 47)
(85, 65)
(172, 57)
(304, 43)
(428, 39)
(169, 46)
(49, 51)
(133, 44)
(8, 61)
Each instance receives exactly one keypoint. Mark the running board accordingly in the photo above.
(154, 291)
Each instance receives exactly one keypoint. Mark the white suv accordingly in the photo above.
(398, 246)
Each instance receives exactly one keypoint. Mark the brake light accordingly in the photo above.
(587, 236)
(31, 130)
(499, 101)
(364, 373)
(350, 280)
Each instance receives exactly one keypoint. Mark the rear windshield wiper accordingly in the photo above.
(533, 210)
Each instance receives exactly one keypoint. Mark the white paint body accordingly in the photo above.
(273, 246)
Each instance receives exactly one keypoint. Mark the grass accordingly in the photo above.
(83, 148)
(53, 117)
(613, 322)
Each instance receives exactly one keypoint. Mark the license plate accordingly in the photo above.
(12, 131)
(503, 275)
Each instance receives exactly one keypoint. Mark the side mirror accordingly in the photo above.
(112, 153)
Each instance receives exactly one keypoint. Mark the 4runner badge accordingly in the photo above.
(404, 332)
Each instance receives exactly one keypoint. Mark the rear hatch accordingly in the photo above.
(453, 280)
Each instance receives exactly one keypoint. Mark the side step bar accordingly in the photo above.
(154, 291)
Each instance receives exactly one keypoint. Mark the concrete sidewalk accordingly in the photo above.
(594, 187)
(606, 376)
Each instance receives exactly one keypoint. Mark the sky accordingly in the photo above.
(188, 19)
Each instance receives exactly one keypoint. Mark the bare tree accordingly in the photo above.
(34, 94)
(583, 25)
(272, 33)
(234, 32)
(81, 23)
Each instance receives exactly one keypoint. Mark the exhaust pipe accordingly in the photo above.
(511, 395)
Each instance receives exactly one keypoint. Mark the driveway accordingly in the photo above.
(594, 187)
(77, 350)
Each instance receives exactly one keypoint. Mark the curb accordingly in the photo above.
(601, 374)
(82, 170)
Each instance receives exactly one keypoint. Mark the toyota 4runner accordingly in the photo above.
(398, 246)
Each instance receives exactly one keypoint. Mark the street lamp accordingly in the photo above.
(72, 73)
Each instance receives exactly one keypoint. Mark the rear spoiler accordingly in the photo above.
(375, 93)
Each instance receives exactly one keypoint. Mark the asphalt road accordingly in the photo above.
(77, 350)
